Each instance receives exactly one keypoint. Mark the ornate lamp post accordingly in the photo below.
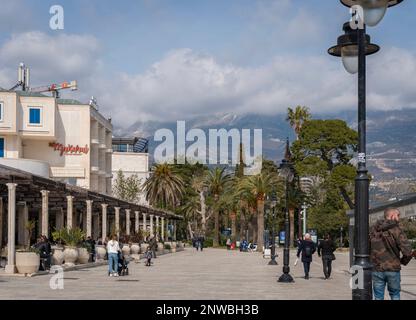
(286, 171)
(353, 47)
(273, 204)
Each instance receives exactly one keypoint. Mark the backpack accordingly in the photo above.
(308, 251)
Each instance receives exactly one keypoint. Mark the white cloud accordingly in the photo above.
(184, 83)
(51, 58)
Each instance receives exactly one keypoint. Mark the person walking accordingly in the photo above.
(201, 240)
(153, 246)
(307, 248)
(148, 257)
(326, 249)
(113, 248)
(387, 241)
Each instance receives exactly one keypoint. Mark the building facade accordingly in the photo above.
(130, 155)
(64, 140)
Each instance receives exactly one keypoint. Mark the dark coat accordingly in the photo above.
(301, 249)
(326, 249)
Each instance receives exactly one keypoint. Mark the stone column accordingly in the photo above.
(162, 230)
(45, 213)
(117, 222)
(128, 221)
(136, 221)
(1, 222)
(22, 218)
(174, 230)
(104, 223)
(89, 218)
(96, 226)
(59, 219)
(157, 229)
(69, 212)
(11, 250)
(152, 233)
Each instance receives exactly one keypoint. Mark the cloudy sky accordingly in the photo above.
(175, 59)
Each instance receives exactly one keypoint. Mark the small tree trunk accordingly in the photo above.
(203, 213)
(191, 233)
(233, 226)
(216, 240)
(260, 225)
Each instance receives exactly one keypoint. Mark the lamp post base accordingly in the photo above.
(286, 278)
(272, 262)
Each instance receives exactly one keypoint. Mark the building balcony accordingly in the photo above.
(36, 167)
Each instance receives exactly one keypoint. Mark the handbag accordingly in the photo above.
(333, 257)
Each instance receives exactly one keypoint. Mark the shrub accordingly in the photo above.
(167, 246)
(72, 237)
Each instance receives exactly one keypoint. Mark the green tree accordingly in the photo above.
(217, 182)
(165, 187)
(324, 150)
(127, 188)
(259, 186)
(297, 118)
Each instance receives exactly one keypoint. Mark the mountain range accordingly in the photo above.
(391, 143)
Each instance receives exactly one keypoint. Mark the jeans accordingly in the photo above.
(306, 268)
(112, 262)
(327, 265)
(392, 279)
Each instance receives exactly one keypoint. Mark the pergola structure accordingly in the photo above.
(53, 204)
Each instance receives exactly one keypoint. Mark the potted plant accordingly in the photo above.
(143, 245)
(136, 239)
(72, 238)
(125, 242)
(84, 253)
(28, 259)
(58, 249)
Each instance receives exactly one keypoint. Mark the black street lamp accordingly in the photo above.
(286, 171)
(353, 47)
(273, 204)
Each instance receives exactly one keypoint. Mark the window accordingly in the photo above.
(34, 116)
(1, 111)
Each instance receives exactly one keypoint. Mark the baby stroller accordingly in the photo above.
(123, 265)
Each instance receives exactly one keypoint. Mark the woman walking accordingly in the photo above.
(307, 248)
(326, 249)
(113, 248)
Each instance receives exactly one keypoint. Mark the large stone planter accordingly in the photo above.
(27, 262)
(125, 250)
(83, 256)
(70, 255)
(143, 247)
(135, 248)
(174, 244)
(160, 247)
(100, 252)
(57, 256)
(172, 249)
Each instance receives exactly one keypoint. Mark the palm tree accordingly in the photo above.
(297, 118)
(165, 187)
(217, 182)
(259, 185)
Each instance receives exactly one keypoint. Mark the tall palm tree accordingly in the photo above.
(165, 187)
(297, 118)
(217, 182)
(259, 185)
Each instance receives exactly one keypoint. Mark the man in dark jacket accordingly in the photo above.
(307, 248)
(326, 249)
(153, 246)
(387, 242)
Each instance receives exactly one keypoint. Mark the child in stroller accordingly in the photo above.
(123, 265)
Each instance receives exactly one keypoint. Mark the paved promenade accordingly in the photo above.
(211, 274)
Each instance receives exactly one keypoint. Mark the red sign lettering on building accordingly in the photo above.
(69, 149)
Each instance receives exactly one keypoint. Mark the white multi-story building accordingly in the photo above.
(65, 140)
(130, 155)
